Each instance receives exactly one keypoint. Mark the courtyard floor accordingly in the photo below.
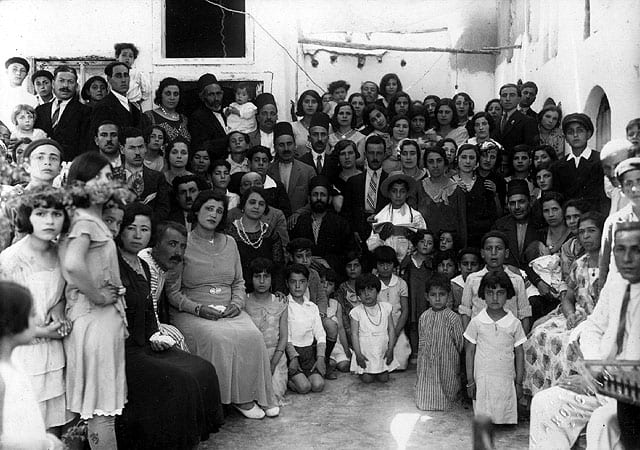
(352, 415)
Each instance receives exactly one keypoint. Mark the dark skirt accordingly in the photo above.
(173, 400)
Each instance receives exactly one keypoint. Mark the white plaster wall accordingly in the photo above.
(609, 58)
(79, 28)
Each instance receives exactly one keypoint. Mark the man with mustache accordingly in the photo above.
(149, 185)
(165, 255)
(185, 190)
(207, 124)
(319, 155)
(293, 174)
(330, 233)
(65, 119)
(266, 117)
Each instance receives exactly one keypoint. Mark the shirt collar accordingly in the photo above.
(122, 99)
(483, 317)
(305, 302)
(392, 282)
(269, 183)
(586, 154)
(315, 155)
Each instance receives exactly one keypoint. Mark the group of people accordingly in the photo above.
(158, 266)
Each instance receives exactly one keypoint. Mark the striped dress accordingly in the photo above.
(439, 347)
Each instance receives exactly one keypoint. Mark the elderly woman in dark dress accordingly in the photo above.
(207, 295)
(255, 238)
(173, 396)
(440, 200)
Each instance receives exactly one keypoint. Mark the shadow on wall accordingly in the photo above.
(478, 30)
(597, 107)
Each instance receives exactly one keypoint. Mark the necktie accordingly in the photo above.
(371, 192)
(56, 113)
(623, 321)
(503, 123)
(319, 164)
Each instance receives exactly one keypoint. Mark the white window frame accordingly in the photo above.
(158, 41)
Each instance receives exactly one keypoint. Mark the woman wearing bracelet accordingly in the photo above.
(207, 297)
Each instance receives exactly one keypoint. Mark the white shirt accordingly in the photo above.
(63, 105)
(599, 332)
(266, 140)
(586, 154)
(305, 323)
(10, 97)
(269, 182)
(315, 158)
(123, 100)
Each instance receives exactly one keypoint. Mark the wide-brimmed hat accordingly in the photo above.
(397, 176)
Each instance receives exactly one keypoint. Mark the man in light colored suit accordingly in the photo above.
(293, 174)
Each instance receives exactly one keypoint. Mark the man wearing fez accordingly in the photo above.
(207, 124)
(318, 157)
(266, 118)
(293, 174)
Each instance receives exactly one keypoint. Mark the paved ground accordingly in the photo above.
(351, 415)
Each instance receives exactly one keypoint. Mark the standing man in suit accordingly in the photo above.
(266, 117)
(149, 185)
(579, 174)
(65, 119)
(529, 93)
(115, 106)
(514, 127)
(293, 174)
(362, 197)
(318, 158)
(207, 124)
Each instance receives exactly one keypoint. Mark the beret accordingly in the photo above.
(39, 142)
(320, 119)
(41, 73)
(282, 128)
(518, 187)
(627, 166)
(17, 59)
(580, 118)
(205, 80)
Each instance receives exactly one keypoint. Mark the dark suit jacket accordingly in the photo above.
(254, 138)
(277, 197)
(583, 182)
(331, 167)
(520, 129)
(155, 182)
(177, 215)
(531, 113)
(110, 108)
(298, 191)
(335, 238)
(207, 131)
(353, 208)
(71, 132)
(507, 225)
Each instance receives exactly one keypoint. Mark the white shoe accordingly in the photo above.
(254, 413)
(272, 412)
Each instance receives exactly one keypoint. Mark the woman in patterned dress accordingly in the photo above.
(166, 115)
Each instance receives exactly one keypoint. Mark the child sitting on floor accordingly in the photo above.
(270, 315)
(346, 293)
(494, 354)
(341, 354)
(300, 251)
(416, 270)
(394, 291)
(469, 261)
(440, 345)
(307, 364)
(372, 333)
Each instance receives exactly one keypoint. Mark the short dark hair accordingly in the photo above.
(496, 279)
(431, 97)
(334, 85)
(109, 69)
(374, 139)
(353, 254)
(178, 140)
(368, 280)
(259, 149)
(253, 190)
(455, 121)
(43, 200)
(549, 196)
(246, 137)
(334, 118)
(124, 45)
(65, 69)
(15, 307)
(632, 123)
(218, 162)
(129, 132)
(467, 146)
(468, 98)
(131, 210)
(298, 244)
(530, 84)
(202, 198)
(470, 251)
(511, 85)
(147, 133)
(495, 234)
(330, 275)
(521, 148)
(86, 166)
(595, 217)
(368, 109)
(437, 280)
(169, 81)
(391, 110)
(471, 124)
(419, 235)
(437, 149)
(85, 91)
(108, 122)
(549, 150)
(345, 143)
(259, 265)
(310, 93)
(384, 254)
(164, 226)
(579, 204)
(184, 179)
(297, 269)
(443, 256)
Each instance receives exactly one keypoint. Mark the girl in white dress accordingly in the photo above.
(33, 263)
(494, 340)
(372, 333)
(21, 424)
